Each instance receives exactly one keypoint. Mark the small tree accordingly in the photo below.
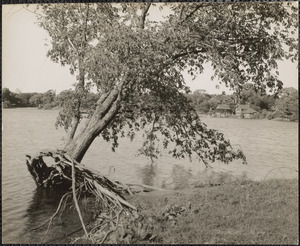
(36, 100)
(8, 98)
(287, 105)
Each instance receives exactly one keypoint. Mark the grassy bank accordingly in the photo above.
(244, 212)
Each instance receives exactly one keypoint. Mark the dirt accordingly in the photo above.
(240, 212)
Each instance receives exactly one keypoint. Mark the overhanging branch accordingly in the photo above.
(144, 14)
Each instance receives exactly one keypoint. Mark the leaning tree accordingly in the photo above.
(136, 64)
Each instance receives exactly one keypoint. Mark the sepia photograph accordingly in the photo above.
(150, 123)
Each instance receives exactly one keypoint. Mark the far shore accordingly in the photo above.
(235, 117)
(200, 115)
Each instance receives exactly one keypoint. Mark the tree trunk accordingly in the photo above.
(86, 180)
(75, 123)
(105, 112)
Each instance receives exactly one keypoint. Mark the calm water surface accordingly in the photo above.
(271, 148)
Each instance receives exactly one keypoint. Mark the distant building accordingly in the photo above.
(249, 113)
(244, 111)
(223, 109)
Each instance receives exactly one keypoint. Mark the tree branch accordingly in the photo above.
(86, 20)
(70, 42)
(75, 123)
(143, 17)
(194, 11)
(181, 12)
(102, 98)
(179, 55)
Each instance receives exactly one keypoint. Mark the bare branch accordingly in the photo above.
(70, 42)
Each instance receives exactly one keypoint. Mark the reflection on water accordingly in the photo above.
(178, 177)
(181, 177)
(148, 173)
(43, 206)
(47, 198)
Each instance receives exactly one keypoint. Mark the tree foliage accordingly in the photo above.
(45, 100)
(287, 105)
(136, 65)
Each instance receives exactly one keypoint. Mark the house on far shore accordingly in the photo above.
(223, 110)
(244, 111)
(250, 113)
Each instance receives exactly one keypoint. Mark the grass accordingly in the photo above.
(244, 212)
(239, 212)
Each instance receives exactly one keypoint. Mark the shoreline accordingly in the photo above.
(234, 117)
(200, 115)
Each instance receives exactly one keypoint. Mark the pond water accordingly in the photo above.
(271, 148)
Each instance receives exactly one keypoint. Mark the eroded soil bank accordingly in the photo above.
(240, 212)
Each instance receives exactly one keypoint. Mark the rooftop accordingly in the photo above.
(223, 106)
(243, 106)
(250, 111)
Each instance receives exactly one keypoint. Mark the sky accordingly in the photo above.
(26, 68)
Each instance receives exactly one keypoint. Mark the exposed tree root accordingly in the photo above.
(114, 229)
(53, 216)
(76, 201)
(88, 181)
(65, 174)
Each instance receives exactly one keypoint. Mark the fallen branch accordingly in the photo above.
(146, 186)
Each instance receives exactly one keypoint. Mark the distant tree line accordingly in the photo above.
(283, 105)
(46, 100)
